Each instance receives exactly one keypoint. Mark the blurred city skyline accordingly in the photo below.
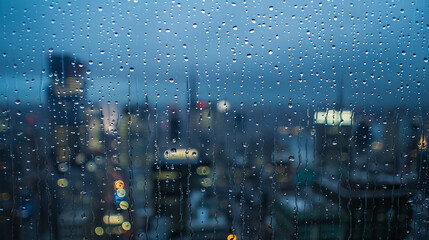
(214, 119)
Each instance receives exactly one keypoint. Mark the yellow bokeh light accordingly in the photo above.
(124, 205)
(203, 170)
(206, 182)
(99, 231)
(126, 226)
(5, 196)
(113, 219)
(120, 193)
(62, 182)
(377, 146)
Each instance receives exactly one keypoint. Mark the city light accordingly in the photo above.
(214, 120)
(62, 182)
(231, 237)
(334, 118)
(180, 154)
(113, 219)
(203, 170)
(422, 143)
(99, 231)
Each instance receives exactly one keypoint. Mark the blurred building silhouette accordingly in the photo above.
(66, 104)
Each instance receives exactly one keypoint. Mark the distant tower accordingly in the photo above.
(174, 124)
(192, 89)
(340, 104)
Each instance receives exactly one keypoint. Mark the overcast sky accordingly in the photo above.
(244, 51)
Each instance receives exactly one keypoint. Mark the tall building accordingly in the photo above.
(65, 104)
(66, 101)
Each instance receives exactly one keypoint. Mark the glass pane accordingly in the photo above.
(214, 120)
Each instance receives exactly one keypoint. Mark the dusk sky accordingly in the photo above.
(271, 51)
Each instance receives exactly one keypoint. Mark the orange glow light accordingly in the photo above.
(422, 143)
(231, 237)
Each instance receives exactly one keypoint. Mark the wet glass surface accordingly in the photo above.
(214, 119)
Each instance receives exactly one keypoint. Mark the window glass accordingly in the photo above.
(214, 119)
